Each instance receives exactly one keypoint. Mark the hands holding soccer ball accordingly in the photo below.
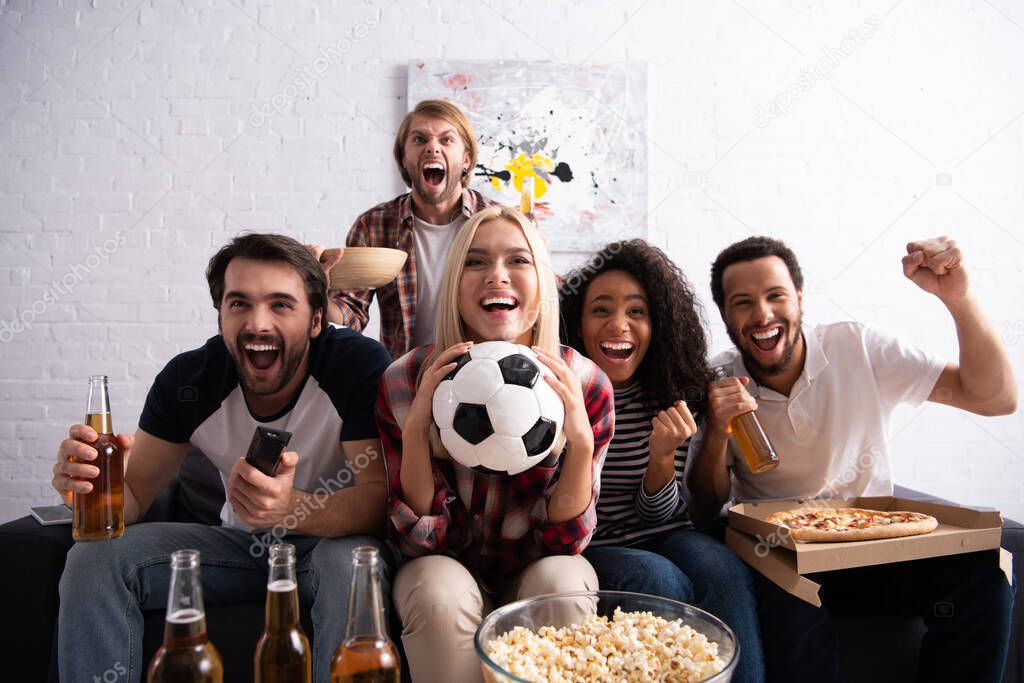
(420, 415)
(500, 407)
(578, 431)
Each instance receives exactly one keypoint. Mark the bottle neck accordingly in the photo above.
(282, 606)
(526, 198)
(186, 615)
(365, 604)
(97, 410)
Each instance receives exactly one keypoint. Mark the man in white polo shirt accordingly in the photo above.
(824, 395)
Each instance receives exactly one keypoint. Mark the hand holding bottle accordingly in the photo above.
(89, 473)
(732, 404)
(728, 398)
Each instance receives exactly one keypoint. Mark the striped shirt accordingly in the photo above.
(626, 515)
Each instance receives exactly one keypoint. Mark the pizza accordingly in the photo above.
(825, 525)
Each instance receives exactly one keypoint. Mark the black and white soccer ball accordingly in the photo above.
(496, 411)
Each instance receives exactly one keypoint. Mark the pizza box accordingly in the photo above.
(768, 547)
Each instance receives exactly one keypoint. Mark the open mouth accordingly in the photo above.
(261, 356)
(433, 173)
(617, 350)
(495, 304)
(767, 339)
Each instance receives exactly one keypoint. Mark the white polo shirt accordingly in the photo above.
(831, 432)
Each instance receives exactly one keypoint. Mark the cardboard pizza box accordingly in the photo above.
(769, 548)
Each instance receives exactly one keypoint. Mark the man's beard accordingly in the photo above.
(754, 366)
(425, 191)
(291, 359)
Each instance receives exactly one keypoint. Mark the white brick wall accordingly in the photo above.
(133, 122)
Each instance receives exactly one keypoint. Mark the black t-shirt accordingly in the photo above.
(197, 399)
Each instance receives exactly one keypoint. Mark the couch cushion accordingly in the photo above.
(200, 494)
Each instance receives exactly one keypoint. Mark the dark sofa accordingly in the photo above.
(34, 560)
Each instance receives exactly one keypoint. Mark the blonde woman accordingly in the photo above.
(480, 539)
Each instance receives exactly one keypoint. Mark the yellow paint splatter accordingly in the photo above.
(524, 166)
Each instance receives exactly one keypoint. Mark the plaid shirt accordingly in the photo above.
(390, 225)
(495, 524)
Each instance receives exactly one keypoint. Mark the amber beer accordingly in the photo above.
(751, 441)
(366, 655)
(282, 653)
(526, 206)
(99, 514)
(187, 655)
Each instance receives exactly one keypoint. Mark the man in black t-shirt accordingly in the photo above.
(275, 363)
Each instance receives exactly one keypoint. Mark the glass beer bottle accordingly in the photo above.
(99, 514)
(751, 441)
(526, 206)
(187, 655)
(282, 653)
(366, 655)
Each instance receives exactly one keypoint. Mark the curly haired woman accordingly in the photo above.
(632, 311)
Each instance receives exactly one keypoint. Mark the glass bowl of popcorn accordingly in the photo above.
(604, 636)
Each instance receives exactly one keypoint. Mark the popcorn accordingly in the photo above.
(632, 646)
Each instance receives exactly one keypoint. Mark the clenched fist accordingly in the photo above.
(936, 266)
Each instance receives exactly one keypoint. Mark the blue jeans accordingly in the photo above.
(692, 567)
(107, 585)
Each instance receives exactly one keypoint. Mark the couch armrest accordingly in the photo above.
(33, 561)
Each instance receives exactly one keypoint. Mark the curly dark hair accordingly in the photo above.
(752, 249)
(675, 366)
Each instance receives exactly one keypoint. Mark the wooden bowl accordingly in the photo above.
(365, 267)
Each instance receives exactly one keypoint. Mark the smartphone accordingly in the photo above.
(266, 448)
(48, 515)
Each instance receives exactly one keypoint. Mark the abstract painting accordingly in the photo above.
(578, 130)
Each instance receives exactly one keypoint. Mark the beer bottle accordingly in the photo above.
(99, 514)
(366, 655)
(749, 437)
(187, 655)
(526, 206)
(282, 653)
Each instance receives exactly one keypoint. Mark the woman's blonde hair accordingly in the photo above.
(449, 327)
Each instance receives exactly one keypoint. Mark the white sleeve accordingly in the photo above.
(903, 373)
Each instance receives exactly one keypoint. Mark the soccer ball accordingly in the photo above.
(495, 411)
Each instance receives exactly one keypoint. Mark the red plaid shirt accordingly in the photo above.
(495, 524)
(390, 225)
